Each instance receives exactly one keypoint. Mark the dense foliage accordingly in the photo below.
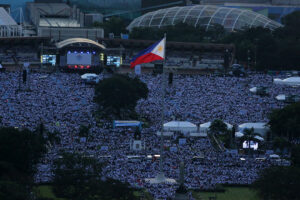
(20, 151)
(295, 155)
(279, 183)
(285, 122)
(218, 126)
(180, 32)
(77, 177)
(119, 94)
(114, 25)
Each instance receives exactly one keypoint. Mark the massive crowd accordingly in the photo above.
(63, 103)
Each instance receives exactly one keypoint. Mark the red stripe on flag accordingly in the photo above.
(149, 57)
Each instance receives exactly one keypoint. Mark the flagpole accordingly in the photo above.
(161, 173)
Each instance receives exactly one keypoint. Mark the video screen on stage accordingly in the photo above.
(48, 59)
(114, 60)
(79, 58)
(253, 145)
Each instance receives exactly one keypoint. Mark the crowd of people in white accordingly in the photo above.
(62, 102)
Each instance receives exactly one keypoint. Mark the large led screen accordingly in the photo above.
(79, 58)
(48, 59)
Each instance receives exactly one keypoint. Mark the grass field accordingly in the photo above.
(45, 191)
(231, 193)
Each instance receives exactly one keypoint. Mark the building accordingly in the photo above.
(261, 2)
(273, 9)
(204, 16)
(60, 21)
(8, 26)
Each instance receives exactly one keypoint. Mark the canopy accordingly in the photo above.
(259, 127)
(259, 138)
(280, 97)
(124, 123)
(78, 40)
(239, 134)
(274, 156)
(88, 75)
(182, 126)
(253, 90)
(205, 127)
(158, 133)
(198, 134)
(292, 81)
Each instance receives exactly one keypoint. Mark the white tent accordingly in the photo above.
(182, 126)
(292, 81)
(259, 127)
(239, 134)
(88, 76)
(253, 90)
(205, 127)
(198, 134)
(274, 156)
(259, 138)
(168, 134)
(280, 97)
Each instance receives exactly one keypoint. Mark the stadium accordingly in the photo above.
(204, 16)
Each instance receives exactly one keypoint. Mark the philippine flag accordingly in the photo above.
(152, 53)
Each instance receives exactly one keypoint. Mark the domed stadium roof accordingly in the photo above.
(204, 16)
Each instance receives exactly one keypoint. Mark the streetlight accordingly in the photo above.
(255, 52)
(248, 58)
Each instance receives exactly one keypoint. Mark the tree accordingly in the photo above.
(114, 25)
(285, 122)
(13, 191)
(295, 155)
(77, 177)
(291, 29)
(20, 151)
(217, 127)
(256, 43)
(180, 32)
(281, 143)
(278, 183)
(119, 94)
(249, 136)
(84, 131)
(220, 130)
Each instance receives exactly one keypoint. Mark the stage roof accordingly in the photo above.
(78, 40)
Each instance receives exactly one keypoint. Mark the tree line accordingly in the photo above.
(76, 176)
(275, 183)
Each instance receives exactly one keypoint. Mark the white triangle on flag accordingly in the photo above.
(160, 48)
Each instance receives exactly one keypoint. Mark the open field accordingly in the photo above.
(231, 193)
(45, 191)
